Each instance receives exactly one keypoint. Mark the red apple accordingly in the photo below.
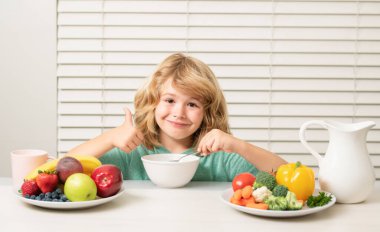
(108, 179)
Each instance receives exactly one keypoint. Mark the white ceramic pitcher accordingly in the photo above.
(346, 169)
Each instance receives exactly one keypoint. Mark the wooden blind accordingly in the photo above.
(280, 64)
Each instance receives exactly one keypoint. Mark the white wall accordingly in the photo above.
(27, 77)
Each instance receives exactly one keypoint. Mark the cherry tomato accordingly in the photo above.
(242, 180)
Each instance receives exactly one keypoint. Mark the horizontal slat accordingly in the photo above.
(297, 147)
(175, 19)
(310, 160)
(284, 20)
(316, 7)
(96, 96)
(97, 83)
(219, 33)
(307, 59)
(308, 7)
(232, 84)
(289, 59)
(292, 135)
(299, 84)
(233, 71)
(121, 45)
(122, 32)
(255, 46)
(93, 108)
(122, 19)
(296, 72)
(122, 6)
(276, 122)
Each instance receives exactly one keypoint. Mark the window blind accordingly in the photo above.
(280, 64)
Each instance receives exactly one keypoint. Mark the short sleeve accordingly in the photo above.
(221, 166)
(235, 164)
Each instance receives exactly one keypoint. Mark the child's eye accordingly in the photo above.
(191, 104)
(169, 100)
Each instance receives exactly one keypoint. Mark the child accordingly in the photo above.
(180, 109)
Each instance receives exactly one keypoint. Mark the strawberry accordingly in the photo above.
(30, 188)
(47, 181)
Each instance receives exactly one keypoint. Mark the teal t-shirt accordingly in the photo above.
(218, 166)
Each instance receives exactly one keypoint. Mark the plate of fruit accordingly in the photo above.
(72, 182)
(289, 192)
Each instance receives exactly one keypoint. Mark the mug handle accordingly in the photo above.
(51, 157)
(303, 140)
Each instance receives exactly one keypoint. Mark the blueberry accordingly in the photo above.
(48, 194)
(33, 197)
(58, 190)
(27, 196)
(38, 198)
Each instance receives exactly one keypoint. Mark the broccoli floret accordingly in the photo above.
(264, 179)
(280, 191)
(276, 203)
(293, 203)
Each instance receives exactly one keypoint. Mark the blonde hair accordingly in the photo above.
(191, 76)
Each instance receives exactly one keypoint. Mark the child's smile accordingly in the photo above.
(178, 124)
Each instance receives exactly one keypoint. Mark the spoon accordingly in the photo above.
(177, 160)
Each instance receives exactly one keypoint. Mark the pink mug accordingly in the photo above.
(24, 161)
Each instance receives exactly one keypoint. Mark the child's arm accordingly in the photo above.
(262, 159)
(126, 137)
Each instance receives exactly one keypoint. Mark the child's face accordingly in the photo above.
(178, 115)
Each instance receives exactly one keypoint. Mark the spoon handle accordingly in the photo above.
(195, 153)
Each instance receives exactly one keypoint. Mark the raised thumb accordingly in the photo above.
(128, 117)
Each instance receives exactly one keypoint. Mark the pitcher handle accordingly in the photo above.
(303, 140)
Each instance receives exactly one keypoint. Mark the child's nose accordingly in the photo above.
(179, 111)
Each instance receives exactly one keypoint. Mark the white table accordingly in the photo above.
(196, 207)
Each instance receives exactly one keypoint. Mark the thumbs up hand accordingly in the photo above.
(127, 137)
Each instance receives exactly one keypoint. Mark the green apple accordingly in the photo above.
(80, 187)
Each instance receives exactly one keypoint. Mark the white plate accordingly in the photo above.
(70, 205)
(226, 195)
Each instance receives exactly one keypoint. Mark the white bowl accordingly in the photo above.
(164, 173)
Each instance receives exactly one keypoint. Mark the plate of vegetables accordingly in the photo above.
(305, 210)
(289, 192)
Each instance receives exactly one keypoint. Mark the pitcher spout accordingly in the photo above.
(350, 127)
(366, 125)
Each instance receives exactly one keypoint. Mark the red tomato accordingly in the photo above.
(242, 180)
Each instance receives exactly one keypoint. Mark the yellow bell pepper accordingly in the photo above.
(298, 178)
